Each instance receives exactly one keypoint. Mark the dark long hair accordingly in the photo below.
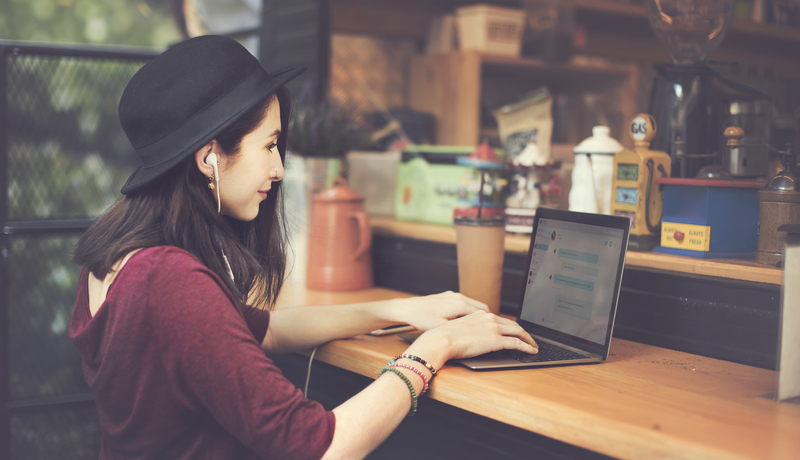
(178, 210)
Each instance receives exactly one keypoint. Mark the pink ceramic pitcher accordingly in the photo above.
(339, 240)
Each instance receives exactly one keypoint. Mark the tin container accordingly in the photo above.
(709, 218)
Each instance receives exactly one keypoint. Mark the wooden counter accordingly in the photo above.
(645, 402)
(724, 309)
(736, 269)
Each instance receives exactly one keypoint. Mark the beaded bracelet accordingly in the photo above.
(417, 359)
(416, 371)
(410, 387)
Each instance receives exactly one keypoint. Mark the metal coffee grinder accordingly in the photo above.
(693, 104)
(778, 205)
(778, 201)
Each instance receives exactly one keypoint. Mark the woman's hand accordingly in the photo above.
(430, 311)
(472, 335)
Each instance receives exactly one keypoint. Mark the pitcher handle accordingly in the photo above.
(598, 197)
(364, 234)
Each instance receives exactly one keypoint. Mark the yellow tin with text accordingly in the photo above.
(685, 236)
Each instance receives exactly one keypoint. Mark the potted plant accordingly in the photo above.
(322, 134)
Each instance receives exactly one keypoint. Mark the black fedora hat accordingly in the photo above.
(183, 98)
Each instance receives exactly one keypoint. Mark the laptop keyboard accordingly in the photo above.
(547, 352)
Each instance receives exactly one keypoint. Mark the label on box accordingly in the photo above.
(629, 215)
(627, 195)
(627, 172)
(503, 31)
(685, 236)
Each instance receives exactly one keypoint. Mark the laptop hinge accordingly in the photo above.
(565, 346)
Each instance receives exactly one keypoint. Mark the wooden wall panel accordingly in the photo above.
(448, 86)
(370, 73)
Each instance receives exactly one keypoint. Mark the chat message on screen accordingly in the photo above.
(574, 307)
(571, 277)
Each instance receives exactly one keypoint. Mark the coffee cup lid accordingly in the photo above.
(483, 221)
(473, 211)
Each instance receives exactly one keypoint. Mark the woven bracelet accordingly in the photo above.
(417, 359)
(416, 371)
(410, 387)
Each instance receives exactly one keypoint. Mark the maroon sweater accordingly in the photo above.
(177, 373)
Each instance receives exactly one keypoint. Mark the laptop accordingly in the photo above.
(572, 283)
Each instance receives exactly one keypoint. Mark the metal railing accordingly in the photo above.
(63, 160)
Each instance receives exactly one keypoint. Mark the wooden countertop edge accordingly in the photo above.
(547, 416)
(644, 402)
(581, 428)
(738, 270)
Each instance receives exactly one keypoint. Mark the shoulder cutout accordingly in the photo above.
(98, 289)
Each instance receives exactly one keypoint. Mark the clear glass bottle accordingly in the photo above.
(690, 30)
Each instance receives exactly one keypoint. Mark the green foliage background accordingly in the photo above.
(67, 159)
(119, 22)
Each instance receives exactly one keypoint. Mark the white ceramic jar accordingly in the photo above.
(592, 174)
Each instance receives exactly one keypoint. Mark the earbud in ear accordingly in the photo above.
(212, 160)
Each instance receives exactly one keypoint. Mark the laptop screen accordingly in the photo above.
(573, 275)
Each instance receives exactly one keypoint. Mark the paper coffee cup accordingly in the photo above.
(480, 248)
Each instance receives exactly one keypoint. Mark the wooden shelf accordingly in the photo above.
(638, 13)
(411, 16)
(615, 30)
(602, 68)
(770, 31)
(622, 31)
(736, 269)
(452, 86)
(573, 72)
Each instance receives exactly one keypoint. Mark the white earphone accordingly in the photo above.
(211, 159)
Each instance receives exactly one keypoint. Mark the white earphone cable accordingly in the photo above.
(219, 201)
(212, 157)
(215, 164)
(308, 374)
(228, 265)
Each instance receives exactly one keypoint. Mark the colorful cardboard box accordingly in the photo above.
(430, 184)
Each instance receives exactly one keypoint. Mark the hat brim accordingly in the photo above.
(205, 126)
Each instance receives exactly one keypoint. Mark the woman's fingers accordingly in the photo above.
(514, 343)
(519, 337)
(493, 332)
(480, 332)
(514, 330)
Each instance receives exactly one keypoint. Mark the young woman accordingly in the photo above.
(173, 355)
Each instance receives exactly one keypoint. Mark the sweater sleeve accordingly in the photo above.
(223, 371)
(257, 321)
